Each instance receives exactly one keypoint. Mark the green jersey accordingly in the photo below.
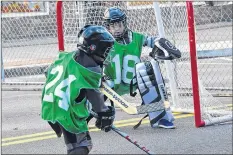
(64, 81)
(122, 60)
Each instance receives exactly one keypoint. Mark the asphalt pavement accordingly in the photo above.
(24, 132)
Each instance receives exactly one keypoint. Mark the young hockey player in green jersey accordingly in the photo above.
(124, 56)
(72, 84)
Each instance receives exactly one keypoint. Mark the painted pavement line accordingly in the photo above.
(48, 136)
(51, 132)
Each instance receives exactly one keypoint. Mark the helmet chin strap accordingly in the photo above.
(98, 59)
(95, 58)
(81, 48)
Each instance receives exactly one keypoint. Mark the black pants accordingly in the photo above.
(76, 143)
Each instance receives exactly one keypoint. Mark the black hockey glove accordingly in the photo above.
(164, 50)
(105, 119)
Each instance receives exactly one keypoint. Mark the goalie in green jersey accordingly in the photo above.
(125, 57)
(72, 83)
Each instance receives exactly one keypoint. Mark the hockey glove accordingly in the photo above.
(105, 119)
(164, 50)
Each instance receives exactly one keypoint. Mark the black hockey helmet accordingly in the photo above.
(96, 41)
(113, 15)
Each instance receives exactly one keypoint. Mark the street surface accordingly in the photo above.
(24, 132)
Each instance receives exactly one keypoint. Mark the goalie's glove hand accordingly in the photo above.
(164, 50)
(105, 119)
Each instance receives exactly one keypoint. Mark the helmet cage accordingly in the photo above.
(113, 15)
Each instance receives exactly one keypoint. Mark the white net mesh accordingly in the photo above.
(211, 38)
(29, 39)
(214, 44)
(33, 41)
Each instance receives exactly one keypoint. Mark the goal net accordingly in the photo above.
(30, 44)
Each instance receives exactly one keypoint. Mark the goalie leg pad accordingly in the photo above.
(154, 117)
(152, 88)
(150, 82)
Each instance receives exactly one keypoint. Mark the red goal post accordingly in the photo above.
(193, 59)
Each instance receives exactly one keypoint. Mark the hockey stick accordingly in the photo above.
(130, 108)
(124, 135)
(127, 137)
